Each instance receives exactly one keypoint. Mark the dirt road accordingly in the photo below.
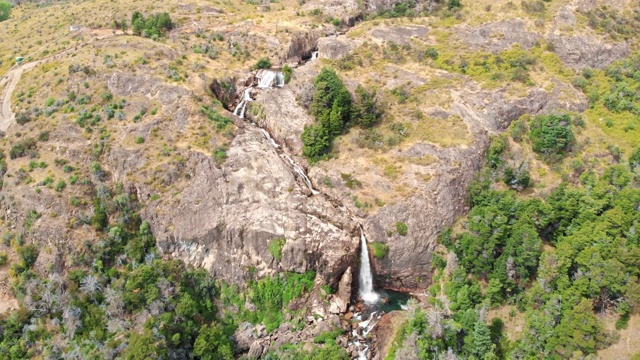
(10, 80)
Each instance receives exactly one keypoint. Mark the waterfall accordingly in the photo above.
(314, 55)
(269, 138)
(300, 172)
(366, 278)
(242, 106)
(269, 79)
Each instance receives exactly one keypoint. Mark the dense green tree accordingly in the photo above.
(578, 331)
(495, 151)
(212, 344)
(317, 142)
(551, 135)
(153, 26)
(5, 10)
(145, 346)
(331, 107)
(482, 344)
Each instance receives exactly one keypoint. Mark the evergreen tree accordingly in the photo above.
(482, 344)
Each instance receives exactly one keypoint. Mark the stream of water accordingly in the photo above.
(367, 293)
(242, 106)
(268, 79)
(298, 169)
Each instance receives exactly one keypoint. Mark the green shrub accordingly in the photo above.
(453, 4)
(328, 337)
(350, 181)
(44, 135)
(402, 228)
(634, 159)
(28, 255)
(496, 149)
(60, 185)
(263, 63)
(366, 111)
(221, 122)
(518, 179)
(22, 147)
(287, 71)
(3, 259)
(23, 117)
(220, 155)
(272, 295)
(379, 250)
(139, 140)
(275, 248)
(432, 53)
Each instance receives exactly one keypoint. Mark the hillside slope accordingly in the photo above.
(132, 127)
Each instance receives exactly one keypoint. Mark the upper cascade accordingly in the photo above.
(270, 78)
(242, 106)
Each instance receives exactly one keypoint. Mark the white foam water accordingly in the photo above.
(269, 138)
(300, 172)
(269, 78)
(366, 277)
(242, 106)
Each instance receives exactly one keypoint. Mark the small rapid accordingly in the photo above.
(269, 138)
(269, 78)
(298, 169)
(242, 106)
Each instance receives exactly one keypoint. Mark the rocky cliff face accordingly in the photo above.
(441, 199)
(226, 216)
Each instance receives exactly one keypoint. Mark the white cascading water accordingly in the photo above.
(269, 138)
(269, 79)
(314, 55)
(360, 333)
(366, 278)
(300, 172)
(242, 106)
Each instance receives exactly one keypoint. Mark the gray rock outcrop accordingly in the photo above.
(225, 217)
(583, 51)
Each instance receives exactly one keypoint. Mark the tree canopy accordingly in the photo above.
(5, 10)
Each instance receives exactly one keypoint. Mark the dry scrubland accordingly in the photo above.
(112, 108)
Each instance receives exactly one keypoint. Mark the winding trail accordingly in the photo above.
(10, 80)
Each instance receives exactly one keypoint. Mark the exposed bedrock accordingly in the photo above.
(226, 217)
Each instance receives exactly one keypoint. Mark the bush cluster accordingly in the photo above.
(154, 26)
